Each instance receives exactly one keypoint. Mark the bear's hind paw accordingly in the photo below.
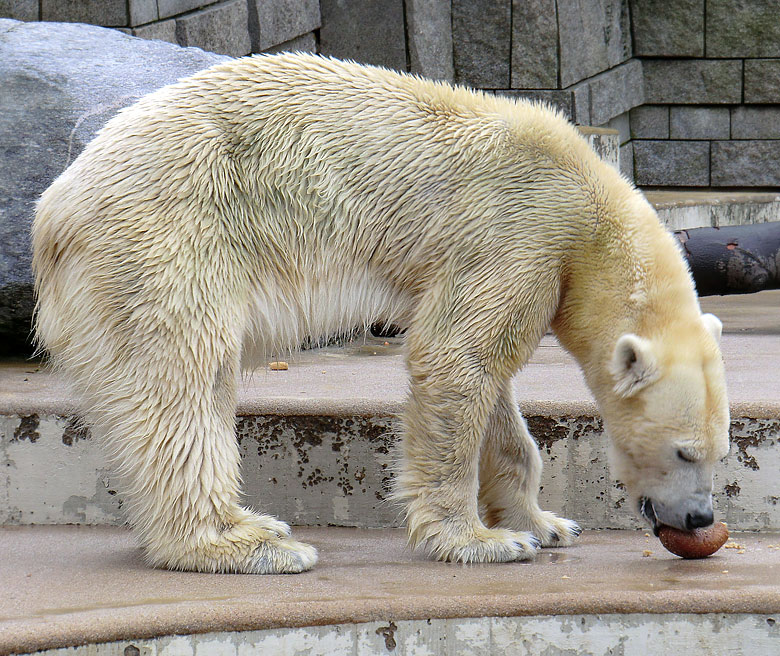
(284, 556)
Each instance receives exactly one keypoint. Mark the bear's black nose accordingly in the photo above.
(697, 520)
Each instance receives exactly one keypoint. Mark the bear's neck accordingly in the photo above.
(625, 278)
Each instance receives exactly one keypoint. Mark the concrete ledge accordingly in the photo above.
(680, 210)
(69, 586)
(584, 635)
(317, 441)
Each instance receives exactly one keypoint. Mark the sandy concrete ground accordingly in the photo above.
(71, 585)
(369, 376)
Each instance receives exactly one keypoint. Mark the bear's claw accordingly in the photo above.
(535, 542)
(556, 537)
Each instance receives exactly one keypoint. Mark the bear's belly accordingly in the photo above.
(333, 300)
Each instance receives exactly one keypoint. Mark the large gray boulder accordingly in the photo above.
(59, 83)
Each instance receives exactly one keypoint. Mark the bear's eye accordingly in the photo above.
(685, 455)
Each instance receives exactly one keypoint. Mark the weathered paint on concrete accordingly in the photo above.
(581, 635)
(330, 470)
(53, 473)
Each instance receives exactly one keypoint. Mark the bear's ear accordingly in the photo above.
(713, 325)
(633, 365)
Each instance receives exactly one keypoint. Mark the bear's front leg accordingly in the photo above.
(510, 472)
(443, 428)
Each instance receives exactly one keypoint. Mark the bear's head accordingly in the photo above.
(668, 419)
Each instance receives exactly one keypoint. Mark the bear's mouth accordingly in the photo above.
(647, 511)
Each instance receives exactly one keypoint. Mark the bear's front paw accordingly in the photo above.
(555, 531)
(484, 545)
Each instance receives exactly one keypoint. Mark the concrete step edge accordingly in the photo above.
(72, 586)
(682, 210)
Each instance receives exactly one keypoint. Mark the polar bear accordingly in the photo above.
(275, 198)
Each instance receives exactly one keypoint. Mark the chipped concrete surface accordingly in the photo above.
(59, 477)
(681, 210)
(578, 635)
(338, 470)
(319, 470)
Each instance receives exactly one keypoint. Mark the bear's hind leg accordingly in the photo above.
(168, 417)
(510, 472)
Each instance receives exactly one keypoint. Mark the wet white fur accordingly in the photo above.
(273, 199)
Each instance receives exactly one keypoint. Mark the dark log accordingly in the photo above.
(733, 260)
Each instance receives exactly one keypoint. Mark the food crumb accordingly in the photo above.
(647, 553)
(278, 366)
(565, 577)
(725, 571)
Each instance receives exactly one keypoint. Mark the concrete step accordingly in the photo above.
(316, 440)
(66, 586)
(681, 210)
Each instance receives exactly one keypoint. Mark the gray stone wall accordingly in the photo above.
(693, 86)
(573, 54)
(229, 27)
(712, 93)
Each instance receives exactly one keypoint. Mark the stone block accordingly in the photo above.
(650, 122)
(762, 81)
(560, 100)
(24, 10)
(581, 98)
(481, 35)
(367, 31)
(108, 13)
(158, 31)
(140, 12)
(620, 123)
(616, 91)
(58, 89)
(534, 44)
(692, 81)
(668, 29)
(429, 30)
(755, 122)
(672, 163)
(221, 28)
(593, 37)
(699, 123)
(272, 22)
(748, 28)
(168, 8)
(626, 161)
(303, 43)
(746, 163)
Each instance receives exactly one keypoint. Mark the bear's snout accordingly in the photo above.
(692, 513)
(699, 519)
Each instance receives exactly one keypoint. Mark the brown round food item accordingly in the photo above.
(699, 543)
